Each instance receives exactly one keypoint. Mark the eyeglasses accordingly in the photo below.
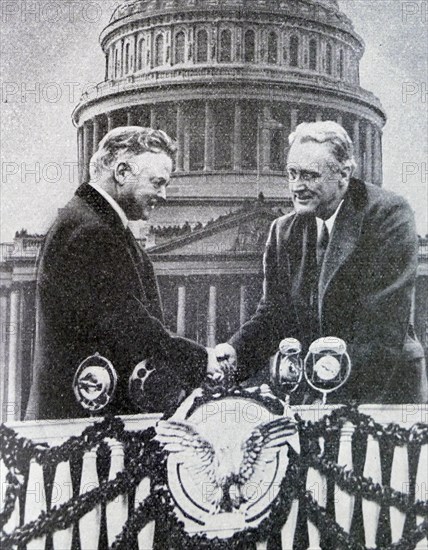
(308, 176)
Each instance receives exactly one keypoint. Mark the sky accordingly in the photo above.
(49, 55)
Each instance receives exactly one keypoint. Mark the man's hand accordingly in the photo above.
(226, 357)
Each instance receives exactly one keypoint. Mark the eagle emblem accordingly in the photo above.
(226, 463)
(228, 468)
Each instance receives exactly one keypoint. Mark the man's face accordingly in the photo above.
(317, 184)
(142, 182)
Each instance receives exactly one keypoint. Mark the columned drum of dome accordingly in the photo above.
(229, 80)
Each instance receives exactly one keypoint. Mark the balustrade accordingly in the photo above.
(117, 511)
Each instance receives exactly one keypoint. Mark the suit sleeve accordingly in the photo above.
(380, 329)
(94, 292)
(258, 339)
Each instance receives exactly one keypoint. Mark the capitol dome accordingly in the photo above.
(229, 80)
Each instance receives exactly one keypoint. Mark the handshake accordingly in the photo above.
(221, 361)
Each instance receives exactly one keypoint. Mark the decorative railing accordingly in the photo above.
(26, 247)
(30, 249)
(361, 479)
(200, 73)
(423, 250)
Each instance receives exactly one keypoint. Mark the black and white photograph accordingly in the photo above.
(214, 274)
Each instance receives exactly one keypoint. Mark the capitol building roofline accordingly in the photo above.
(322, 11)
(150, 7)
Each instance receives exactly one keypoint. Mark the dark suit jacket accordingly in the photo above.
(364, 292)
(97, 292)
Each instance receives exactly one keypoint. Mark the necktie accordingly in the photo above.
(322, 243)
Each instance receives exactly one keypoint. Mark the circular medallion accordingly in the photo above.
(225, 464)
(94, 383)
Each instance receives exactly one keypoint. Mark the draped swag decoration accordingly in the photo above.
(144, 458)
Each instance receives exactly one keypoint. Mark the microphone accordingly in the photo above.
(94, 383)
(327, 365)
(286, 369)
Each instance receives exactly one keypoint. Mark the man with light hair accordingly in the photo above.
(343, 264)
(96, 288)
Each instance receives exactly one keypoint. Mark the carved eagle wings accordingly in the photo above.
(224, 470)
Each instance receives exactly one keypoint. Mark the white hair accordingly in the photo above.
(129, 140)
(331, 132)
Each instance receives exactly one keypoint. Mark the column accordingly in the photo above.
(112, 66)
(413, 307)
(97, 133)
(243, 305)
(181, 311)
(209, 130)
(122, 57)
(179, 134)
(186, 144)
(368, 168)
(80, 159)
(87, 150)
(377, 157)
(107, 66)
(13, 398)
(357, 148)
(135, 52)
(152, 116)
(318, 116)
(110, 121)
(212, 317)
(265, 138)
(3, 374)
(294, 118)
(237, 138)
(21, 328)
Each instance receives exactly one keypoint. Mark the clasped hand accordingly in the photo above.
(221, 361)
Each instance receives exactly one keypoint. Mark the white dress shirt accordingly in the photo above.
(112, 203)
(329, 223)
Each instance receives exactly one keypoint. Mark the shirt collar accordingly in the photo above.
(112, 203)
(330, 222)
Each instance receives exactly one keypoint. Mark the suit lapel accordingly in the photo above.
(344, 237)
(138, 258)
(146, 276)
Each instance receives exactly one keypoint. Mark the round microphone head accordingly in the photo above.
(328, 343)
(95, 383)
(137, 382)
(290, 345)
(286, 368)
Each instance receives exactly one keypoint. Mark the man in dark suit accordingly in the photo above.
(96, 288)
(343, 264)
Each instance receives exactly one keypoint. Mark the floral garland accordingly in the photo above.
(13, 486)
(365, 425)
(352, 484)
(146, 458)
(63, 516)
(318, 515)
